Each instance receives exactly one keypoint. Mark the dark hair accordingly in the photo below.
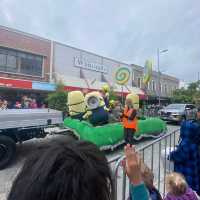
(75, 171)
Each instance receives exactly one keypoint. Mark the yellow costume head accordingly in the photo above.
(112, 103)
(94, 100)
(106, 88)
(134, 98)
(76, 103)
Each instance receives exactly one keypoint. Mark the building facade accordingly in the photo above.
(163, 84)
(30, 63)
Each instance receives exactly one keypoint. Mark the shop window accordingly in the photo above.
(20, 62)
(11, 63)
(165, 88)
(31, 66)
(153, 85)
(139, 80)
(161, 88)
(2, 62)
(149, 85)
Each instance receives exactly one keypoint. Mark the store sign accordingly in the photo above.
(83, 63)
(12, 83)
(43, 86)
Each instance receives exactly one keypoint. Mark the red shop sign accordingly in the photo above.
(12, 83)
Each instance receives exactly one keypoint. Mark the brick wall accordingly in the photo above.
(27, 43)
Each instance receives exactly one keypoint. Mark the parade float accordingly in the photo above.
(89, 116)
(111, 135)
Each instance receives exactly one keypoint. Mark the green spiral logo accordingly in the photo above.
(122, 75)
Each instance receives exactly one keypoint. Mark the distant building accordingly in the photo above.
(183, 84)
(31, 64)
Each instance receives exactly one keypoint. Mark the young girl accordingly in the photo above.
(178, 189)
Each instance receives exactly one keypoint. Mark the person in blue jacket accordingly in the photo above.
(74, 171)
(186, 157)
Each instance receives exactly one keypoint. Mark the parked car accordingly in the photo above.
(178, 112)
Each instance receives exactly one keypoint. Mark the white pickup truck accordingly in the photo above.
(18, 125)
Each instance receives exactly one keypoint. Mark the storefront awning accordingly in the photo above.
(26, 84)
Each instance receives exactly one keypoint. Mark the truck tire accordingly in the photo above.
(7, 150)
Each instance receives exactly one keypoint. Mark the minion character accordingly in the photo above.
(76, 105)
(97, 112)
(129, 118)
(105, 94)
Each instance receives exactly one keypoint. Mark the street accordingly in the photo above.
(7, 175)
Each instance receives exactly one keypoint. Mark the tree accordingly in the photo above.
(58, 99)
(189, 95)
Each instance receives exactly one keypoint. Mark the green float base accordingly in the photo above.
(111, 135)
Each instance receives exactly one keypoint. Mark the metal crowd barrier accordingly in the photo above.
(151, 155)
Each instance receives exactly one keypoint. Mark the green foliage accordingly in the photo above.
(58, 99)
(189, 95)
(113, 95)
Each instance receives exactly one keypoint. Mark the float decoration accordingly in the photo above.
(111, 135)
(122, 76)
(147, 72)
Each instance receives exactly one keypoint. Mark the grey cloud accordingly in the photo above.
(129, 31)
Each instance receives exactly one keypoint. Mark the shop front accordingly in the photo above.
(13, 90)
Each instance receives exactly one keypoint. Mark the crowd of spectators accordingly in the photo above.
(24, 102)
(79, 170)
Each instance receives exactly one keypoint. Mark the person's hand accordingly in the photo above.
(132, 165)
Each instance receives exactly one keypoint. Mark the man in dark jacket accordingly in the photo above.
(186, 157)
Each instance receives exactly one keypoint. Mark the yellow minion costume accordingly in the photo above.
(97, 112)
(76, 104)
(105, 94)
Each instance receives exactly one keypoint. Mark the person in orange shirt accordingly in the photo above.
(129, 119)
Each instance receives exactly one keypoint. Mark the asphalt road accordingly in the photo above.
(8, 175)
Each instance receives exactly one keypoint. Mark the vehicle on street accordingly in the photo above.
(18, 125)
(178, 112)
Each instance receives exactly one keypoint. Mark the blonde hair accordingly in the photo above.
(176, 184)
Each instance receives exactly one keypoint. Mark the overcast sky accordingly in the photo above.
(126, 30)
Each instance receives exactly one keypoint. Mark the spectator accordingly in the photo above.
(63, 172)
(186, 157)
(178, 189)
(25, 102)
(1, 104)
(33, 104)
(43, 105)
(5, 105)
(72, 171)
(17, 105)
(148, 178)
(132, 165)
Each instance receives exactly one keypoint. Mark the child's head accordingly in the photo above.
(176, 184)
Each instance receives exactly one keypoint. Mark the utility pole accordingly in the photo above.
(159, 89)
(159, 73)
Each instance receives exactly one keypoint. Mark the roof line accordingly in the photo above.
(103, 57)
(24, 33)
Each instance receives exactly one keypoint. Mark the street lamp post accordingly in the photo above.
(159, 73)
